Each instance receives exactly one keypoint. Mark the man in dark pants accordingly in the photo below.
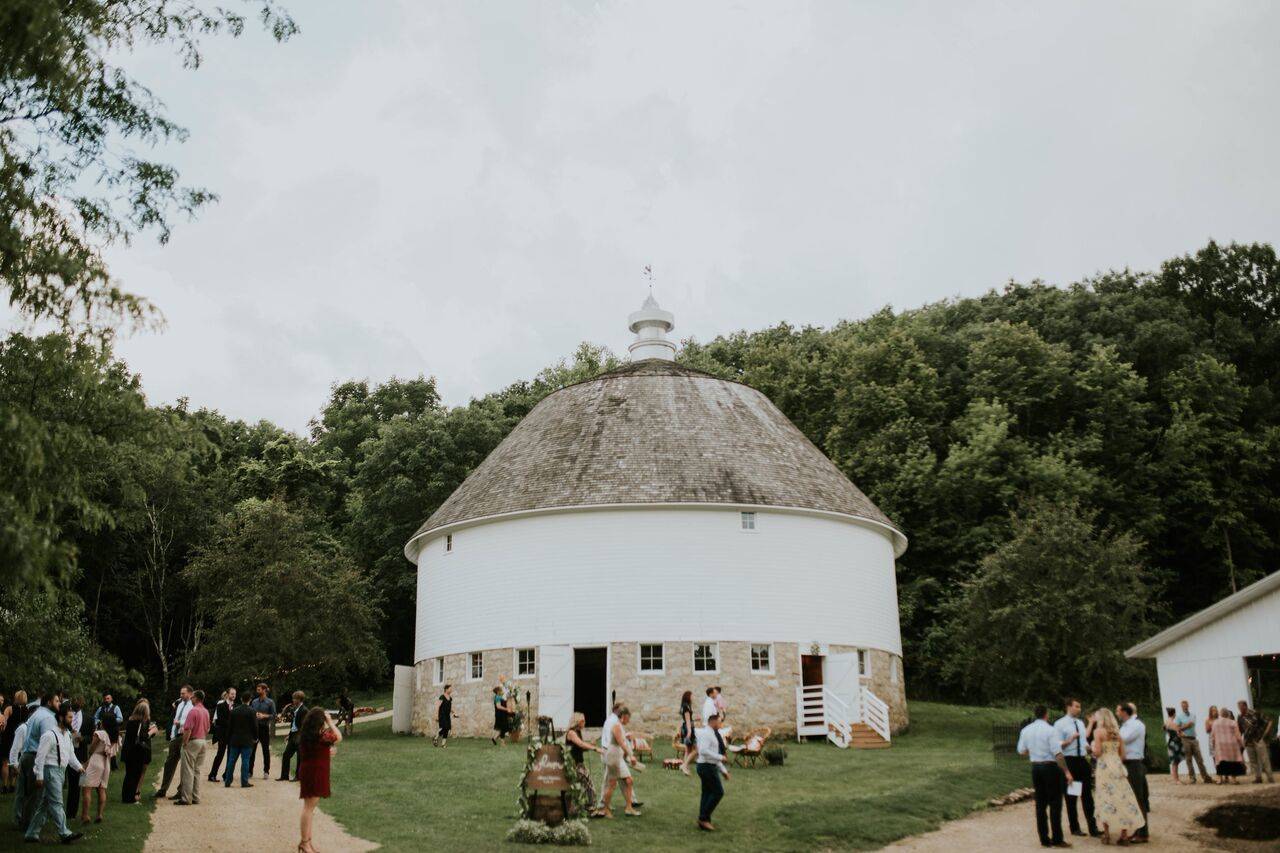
(710, 768)
(1075, 749)
(295, 726)
(1039, 742)
(1133, 736)
(81, 733)
(221, 728)
(264, 708)
(180, 710)
(242, 734)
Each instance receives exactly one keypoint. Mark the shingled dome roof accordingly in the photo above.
(654, 432)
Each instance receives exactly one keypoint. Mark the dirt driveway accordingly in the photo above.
(1173, 809)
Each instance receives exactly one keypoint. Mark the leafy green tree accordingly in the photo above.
(1050, 612)
(72, 179)
(284, 602)
(46, 646)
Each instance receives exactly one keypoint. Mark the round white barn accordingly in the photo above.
(652, 530)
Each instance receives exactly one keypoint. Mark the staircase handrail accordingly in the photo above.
(875, 713)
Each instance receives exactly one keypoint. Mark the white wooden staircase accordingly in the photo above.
(861, 724)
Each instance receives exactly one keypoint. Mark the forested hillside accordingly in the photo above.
(1112, 446)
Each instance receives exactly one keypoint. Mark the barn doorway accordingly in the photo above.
(810, 670)
(591, 684)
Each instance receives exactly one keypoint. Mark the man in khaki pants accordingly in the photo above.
(194, 732)
(1186, 723)
(1254, 728)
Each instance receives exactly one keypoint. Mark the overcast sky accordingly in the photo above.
(470, 189)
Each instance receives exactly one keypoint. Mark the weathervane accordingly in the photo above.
(648, 274)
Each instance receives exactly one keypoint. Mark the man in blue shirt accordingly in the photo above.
(264, 708)
(27, 796)
(1074, 735)
(1040, 743)
(1186, 723)
(1133, 737)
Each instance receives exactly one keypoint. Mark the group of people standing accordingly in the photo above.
(1230, 741)
(1100, 764)
(55, 753)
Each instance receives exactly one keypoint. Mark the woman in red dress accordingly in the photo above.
(318, 740)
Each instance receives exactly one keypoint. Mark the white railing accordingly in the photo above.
(810, 714)
(875, 713)
(839, 722)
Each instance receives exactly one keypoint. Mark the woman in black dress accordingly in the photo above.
(444, 715)
(135, 750)
(578, 746)
(687, 737)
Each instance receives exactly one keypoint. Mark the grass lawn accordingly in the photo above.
(408, 795)
(124, 828)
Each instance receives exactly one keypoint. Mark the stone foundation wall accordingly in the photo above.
(752, 698)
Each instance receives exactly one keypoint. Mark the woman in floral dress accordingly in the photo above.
(1115, 806)
(1174, 738)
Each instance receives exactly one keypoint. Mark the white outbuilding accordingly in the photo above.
(652, 530)
(1223, 654)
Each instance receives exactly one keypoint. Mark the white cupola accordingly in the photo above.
(651, 325)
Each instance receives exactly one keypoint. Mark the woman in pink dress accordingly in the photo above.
(1228, 747)
(97, 771)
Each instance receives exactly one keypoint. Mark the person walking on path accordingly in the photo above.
(53, 756)
(299, 713)
(103, 747)
(444, 716)
(135, 750)
(617, 755)
(1230, 745)
(242, 735)
(264, 708)
(1074, 735)
(1186, 723)
(41, 720)
(1117, 807)
(1039, 741)
(711, 768)
(174, 757)
(1255, 728)
(1133, 736)
(221, 722)
(195, 729)
(317, 742)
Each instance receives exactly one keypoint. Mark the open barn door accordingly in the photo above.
(555, 684)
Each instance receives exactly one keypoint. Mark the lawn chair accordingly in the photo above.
(641, 745)
(752, 746)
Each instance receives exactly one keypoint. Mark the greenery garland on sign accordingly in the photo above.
(576, 795)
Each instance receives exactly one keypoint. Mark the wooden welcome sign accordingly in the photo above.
(546, 771)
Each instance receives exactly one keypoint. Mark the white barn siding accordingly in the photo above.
(589, 577)
(1207, 667)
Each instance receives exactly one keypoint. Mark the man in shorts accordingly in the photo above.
(617, 757)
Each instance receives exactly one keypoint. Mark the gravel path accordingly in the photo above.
(1173, 809)
(264, 817)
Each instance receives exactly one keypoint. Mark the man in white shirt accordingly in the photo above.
(711, 767)
(617, 757)
(1133, 734)
(1039, 742)
(171, 762)
(709, 708)
(1075, 751)
(55, 753)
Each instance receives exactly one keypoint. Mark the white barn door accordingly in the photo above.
(555, 684)
(840, 678)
